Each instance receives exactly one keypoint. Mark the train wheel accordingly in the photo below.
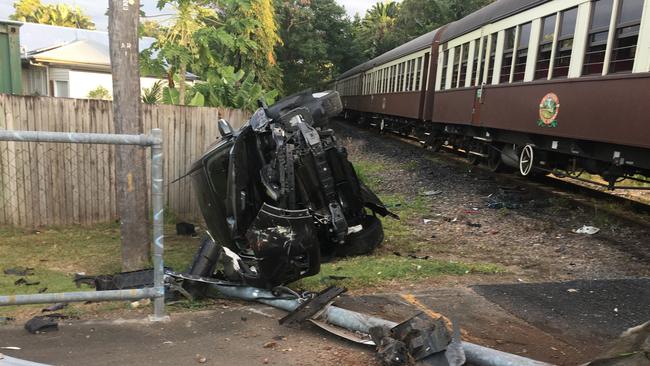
(436, 144)
(473, 149)
(526, 160)
(494, 162)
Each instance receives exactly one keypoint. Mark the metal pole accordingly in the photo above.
(157, 202)
(111, 295)
(75, 138)
(351, 320)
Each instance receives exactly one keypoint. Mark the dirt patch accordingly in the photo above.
(471, 215)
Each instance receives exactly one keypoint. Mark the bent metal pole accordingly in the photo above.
(354, 321)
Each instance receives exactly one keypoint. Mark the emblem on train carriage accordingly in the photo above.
(549, 108)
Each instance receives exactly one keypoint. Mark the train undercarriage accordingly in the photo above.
(617, 166)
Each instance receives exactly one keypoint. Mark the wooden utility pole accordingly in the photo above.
(132, 202)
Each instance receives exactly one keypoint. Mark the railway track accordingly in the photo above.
(579, 193)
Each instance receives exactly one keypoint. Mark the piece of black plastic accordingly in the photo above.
(390, 351)
(423, 335)
(185, 229)
(19, 271)
(41, 324)
(203, 265)
(312, 306)
(54, 307)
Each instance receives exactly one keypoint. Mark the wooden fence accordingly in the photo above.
(59, 184)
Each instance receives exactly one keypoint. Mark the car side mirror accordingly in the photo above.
(225, 130)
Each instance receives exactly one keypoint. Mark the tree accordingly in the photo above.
(457, 9)
(376, 27)
(99, 93)
(60, 14)
(318, 43)
(177, 44)
(132, 202)
(417, 17)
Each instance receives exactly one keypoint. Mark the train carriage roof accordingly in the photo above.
(417, 44)
(497, 10)
(489, 14)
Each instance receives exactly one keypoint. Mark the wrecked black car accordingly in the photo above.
(279, 194)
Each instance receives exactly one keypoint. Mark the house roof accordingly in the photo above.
(35, 37)
(71, 46)
(82, 52)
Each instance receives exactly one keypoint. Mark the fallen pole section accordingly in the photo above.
(354, 321)
(111, 295)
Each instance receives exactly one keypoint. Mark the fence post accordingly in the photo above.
(158, 223)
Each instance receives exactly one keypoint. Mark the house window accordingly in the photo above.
(597, 38)
(443, 79)
(522, 53)
(565, 43)
(61, 89)
(545, 50)
(463, 66)
(626, 36)
(454, 70)
(508, 50)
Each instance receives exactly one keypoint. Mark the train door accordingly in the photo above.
(479, 67)
(478, 101)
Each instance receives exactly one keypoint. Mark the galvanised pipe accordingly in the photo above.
(354, 321)
(158, 205)
(110, 295)
(155, 141)
(76, 138)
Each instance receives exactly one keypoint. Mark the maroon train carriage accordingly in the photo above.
(541, 86)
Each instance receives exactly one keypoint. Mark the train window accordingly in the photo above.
(545, 47)
(565, 43)
(407, 76)
(475, 58)
(463, 65)
(508, 50)
(597, 39)
(418, 73)
(400, 77)
(384, 83)
(522, 52)
(443, 79)
(626, 35)
(454, 70)
(479, 66)
(492, 56)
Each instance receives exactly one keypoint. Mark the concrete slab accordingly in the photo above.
(222, 336)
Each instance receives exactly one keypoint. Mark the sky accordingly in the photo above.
(97, 8)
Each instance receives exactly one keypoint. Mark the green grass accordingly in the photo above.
(411, 165)
(56, 254)
(368, 172)
(375, 271)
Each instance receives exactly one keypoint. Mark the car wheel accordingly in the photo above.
(365, 241)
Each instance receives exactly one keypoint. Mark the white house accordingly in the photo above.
(69, 62)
